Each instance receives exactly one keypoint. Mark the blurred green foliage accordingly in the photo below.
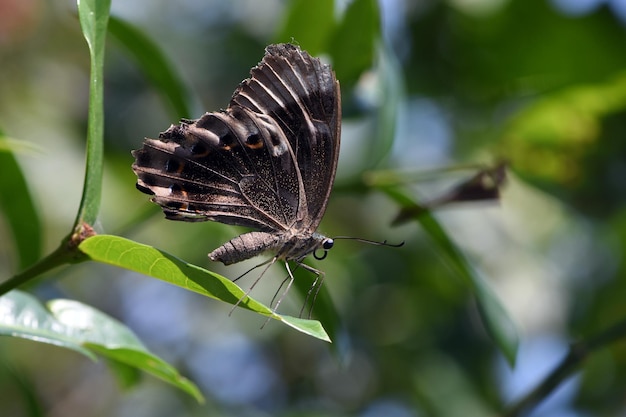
(425, 85)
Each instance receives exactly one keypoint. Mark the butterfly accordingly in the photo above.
(267, 162)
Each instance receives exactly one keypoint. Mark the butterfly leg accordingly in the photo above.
(269, 263)
(278, 294)
(272, 260)
(289, 280)
(314, 290)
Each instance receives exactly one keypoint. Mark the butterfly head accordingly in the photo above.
(326, 245)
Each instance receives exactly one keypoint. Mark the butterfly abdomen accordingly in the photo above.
(245, 246)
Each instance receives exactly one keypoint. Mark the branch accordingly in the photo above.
(578, 352)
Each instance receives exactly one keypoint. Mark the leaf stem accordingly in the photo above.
(62, 255)
(578, 352)
(94, 17)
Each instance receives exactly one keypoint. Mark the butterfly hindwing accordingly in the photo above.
(302, 95)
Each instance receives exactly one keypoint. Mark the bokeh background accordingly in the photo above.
(449, 84)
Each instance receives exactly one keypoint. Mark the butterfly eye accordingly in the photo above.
(328, 243)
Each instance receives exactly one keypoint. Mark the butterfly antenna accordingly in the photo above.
(371, 242)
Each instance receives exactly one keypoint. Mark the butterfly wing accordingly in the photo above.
(220, 167)
(302, 95)
(267, 162)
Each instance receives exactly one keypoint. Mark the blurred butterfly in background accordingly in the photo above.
(267, 162)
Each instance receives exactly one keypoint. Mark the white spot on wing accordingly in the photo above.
(161, 191)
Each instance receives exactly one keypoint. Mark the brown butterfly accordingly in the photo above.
(267, 162)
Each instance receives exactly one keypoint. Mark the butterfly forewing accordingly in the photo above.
(268, 161)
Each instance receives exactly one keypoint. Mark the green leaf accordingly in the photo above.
(311, 327)
(17, 146)
(392, 93)
(496, 319)
(26, 388)
(154, 64)
(309, 24)
(149, 261)
(18, 207)
(22, 315)
(81, 328)
(94, 17)
(322, 304)
(562, 129)
(127, 376)
(354, 42)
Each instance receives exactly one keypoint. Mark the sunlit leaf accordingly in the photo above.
(22, 315)
(76, 326)
(18, 146)
(150, 261)
(550, 139)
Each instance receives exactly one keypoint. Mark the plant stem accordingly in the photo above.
(94, 17)
(62, 255)
(577, 354)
